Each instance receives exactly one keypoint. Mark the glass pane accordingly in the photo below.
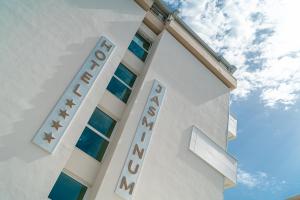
(137, 50)
(141, 41)
(117, 88)
(125, 75)
(67, 188)
(102, 122)
(92, 144)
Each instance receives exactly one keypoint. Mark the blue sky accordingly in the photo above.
(267, 149)
(261, 38)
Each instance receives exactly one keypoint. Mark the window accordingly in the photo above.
(67, 188)
(92, 144)
(121, 83)
(139, 46)
(95, 137)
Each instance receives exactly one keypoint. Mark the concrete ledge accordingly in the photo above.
(232, 128)
(215, 156)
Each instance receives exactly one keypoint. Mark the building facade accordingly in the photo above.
(111, 100)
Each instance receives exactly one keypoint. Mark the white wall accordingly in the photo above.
(43, 44)
(194, 96)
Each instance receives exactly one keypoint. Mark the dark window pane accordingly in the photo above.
(117, 88)
(125, 75)
(142, 42)
(102, 122)
(137, 50)
(92, 144)
(67, 188)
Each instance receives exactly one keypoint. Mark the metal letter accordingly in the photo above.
(86, 77)
(94, 64)
(158, 90)
(126, 186)
(143, 137)
(135, 169)
(100, 55)
(155, 100)
(139, 152)
(108, 46)
(76, 90)
(151, 111)
(150, 125)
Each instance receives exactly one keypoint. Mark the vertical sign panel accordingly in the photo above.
(60, 117)
(132, 167)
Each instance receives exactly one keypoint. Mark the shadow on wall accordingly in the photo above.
(18, 142)
(122, 8)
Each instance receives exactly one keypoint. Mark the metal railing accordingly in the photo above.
(163, 16)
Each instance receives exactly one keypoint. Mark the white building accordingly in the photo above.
(110, 100)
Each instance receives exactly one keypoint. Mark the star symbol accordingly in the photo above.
(63, 113)
(56, 125)
(70, 103)
(48, 137)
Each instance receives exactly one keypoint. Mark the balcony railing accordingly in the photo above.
(162, 15)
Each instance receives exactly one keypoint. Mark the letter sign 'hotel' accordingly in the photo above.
(59, 118)
(111, 100)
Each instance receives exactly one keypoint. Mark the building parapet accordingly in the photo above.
(217, 64)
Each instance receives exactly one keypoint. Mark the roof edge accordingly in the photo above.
(220, 58)
(217, 64)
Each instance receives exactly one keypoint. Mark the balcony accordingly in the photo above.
(214, 155)
(232, 127)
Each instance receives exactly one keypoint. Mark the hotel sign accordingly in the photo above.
(53, 128)
(133, 164)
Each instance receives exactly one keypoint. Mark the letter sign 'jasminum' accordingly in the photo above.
(136, 155)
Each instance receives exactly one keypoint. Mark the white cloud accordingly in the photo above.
(260, 37)
(259, 180)
(248, 179)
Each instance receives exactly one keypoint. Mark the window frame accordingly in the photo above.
(131, 88)
(76, 178)
(119, 79)
(100, 134)
(146, 38)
